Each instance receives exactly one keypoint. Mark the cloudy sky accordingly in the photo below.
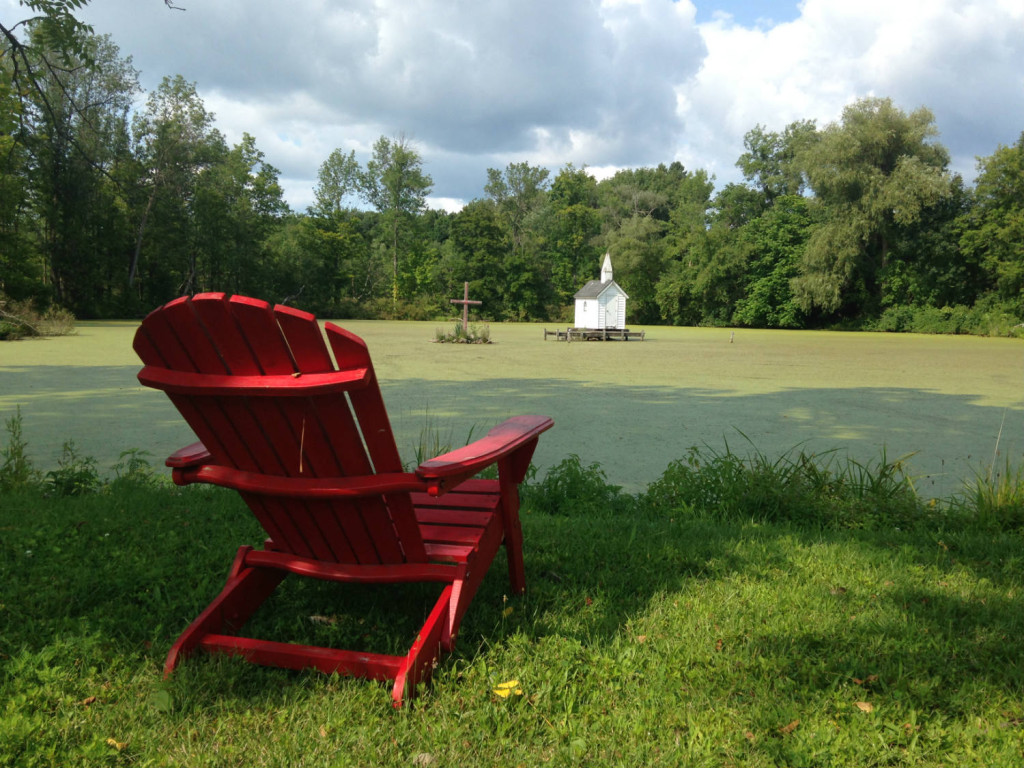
(602, 83)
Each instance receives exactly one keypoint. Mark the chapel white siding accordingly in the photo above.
(601, 304)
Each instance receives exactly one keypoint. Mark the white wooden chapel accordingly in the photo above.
(601, 304)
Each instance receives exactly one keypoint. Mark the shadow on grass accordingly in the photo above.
(816, 616)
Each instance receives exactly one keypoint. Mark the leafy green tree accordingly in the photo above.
(337, 180)
(638, 192)
(325, 271)
(20, 261)
(689, 217)
(512, 285)
(175, 142)
(332, 232)
(74, 130)
(334, 265)
(928, 266)
(702, 287)
(56, 46)
(736, 205)
(770, 165)
(645, 213)
(238, 205)
(993, 236)
(637, 255)
(423, 276)
(874, 174)
(688, 290)
(517, 192)
(575, 222)
(394, 183)
(479, 246)
(775, 242)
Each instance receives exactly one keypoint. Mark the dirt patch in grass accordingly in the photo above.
(631, 406)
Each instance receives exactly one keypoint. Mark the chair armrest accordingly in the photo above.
(500, 442)
(325, 488)
(189, 456)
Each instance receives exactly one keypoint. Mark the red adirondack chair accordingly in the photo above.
(306, 442)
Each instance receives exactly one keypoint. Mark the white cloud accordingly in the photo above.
(450, 204)
(486, 83)
(960, 59)
(605, 83)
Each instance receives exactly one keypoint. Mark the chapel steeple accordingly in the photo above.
(606, 269)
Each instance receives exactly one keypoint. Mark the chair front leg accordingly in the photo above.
(511, 472)
(246, 590)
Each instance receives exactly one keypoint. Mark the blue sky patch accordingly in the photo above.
(749, 13)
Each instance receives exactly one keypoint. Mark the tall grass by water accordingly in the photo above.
(756, 611)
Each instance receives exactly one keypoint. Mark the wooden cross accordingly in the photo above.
(465, 302)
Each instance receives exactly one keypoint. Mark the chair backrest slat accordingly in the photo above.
(192, 337)
(367, 402)
(258, 325)
(326, 435)
(305, 340)
(215, 312)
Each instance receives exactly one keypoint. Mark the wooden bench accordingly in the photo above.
(594, 334)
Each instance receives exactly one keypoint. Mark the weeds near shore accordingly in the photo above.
(16, 469)
(19, 319)
(475, 334)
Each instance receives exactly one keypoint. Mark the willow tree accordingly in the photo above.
(873, 174)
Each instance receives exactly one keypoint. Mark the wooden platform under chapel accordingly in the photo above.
(594, 334)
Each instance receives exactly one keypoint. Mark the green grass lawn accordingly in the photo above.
(954, 402)
(655, 631)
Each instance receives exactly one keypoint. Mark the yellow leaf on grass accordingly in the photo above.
(504, 690)
(118, 745)
(865, 706)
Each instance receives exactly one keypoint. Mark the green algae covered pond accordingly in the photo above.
(955, 403)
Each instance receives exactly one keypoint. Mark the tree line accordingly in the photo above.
(109, 209)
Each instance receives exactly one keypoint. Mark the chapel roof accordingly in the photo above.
(595, 288)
